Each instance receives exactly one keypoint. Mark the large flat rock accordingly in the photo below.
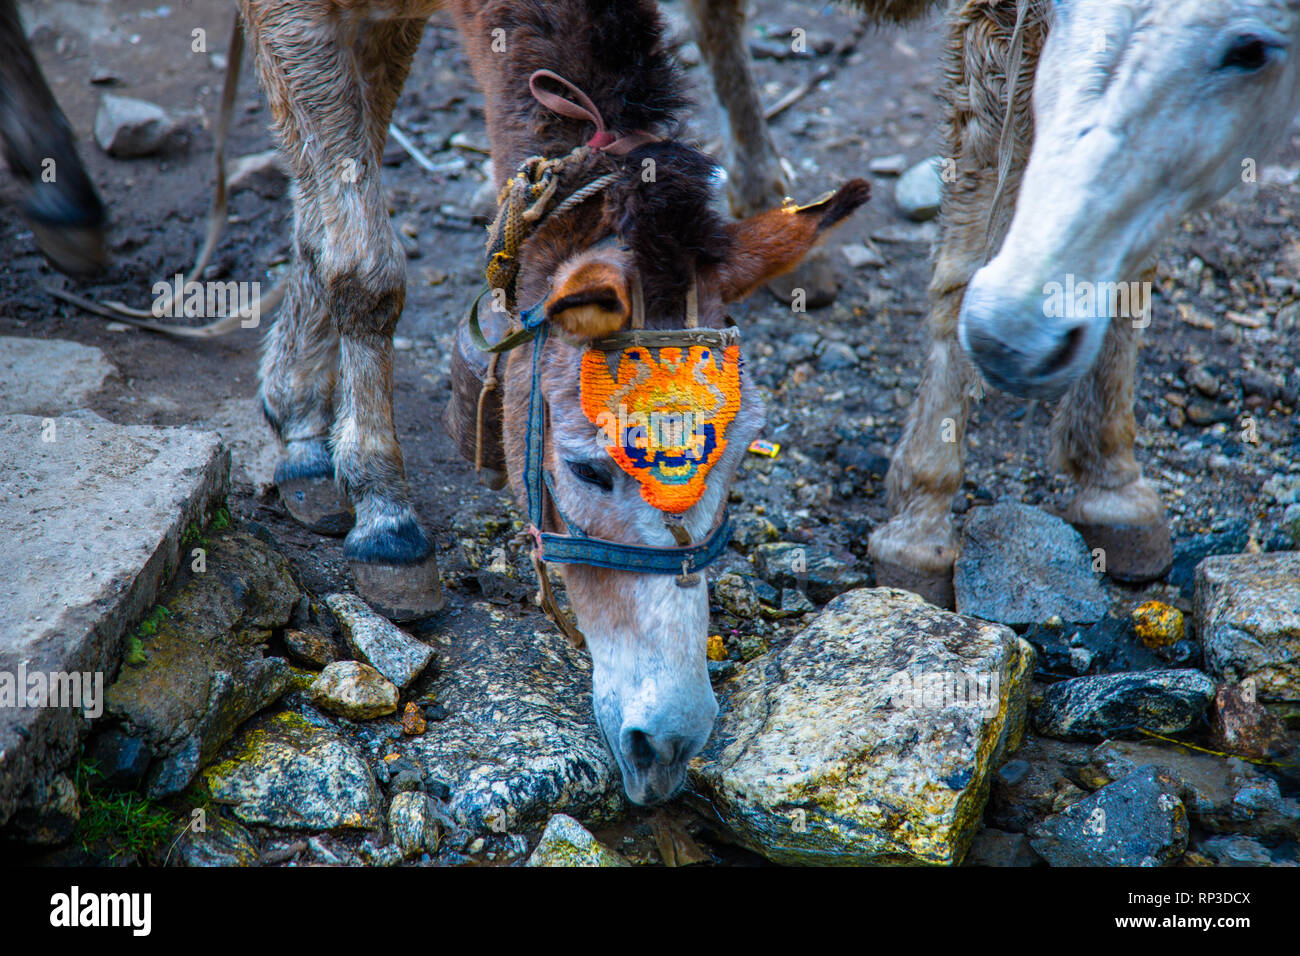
(49, 376)
(91, 518)
(870, 737)
(520, 742)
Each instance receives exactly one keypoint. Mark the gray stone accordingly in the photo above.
(1020, 566)
(90, 530)
(412, 823)
(310, 647)
(264, 173)
(1291, 524)
(1248, 610)
(837, 356)
(892, 165)
(1162, 701)
(1237, 851)
(519, 740)
(861, 255)
(48, 376)
(354, 690)
(1136, 821)
(127, 128)
(919, 191)
(202, 671)
(812, 568)
(378, 641)
(284, 771)
(736, 594)
(222, 842)
(1221, 796)
(870, 737)
(749, 530)
(565, 842)
(999, 848)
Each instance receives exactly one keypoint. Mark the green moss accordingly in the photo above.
(221, 520)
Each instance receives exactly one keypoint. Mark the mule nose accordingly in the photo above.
(1019, 350)
(656, 762)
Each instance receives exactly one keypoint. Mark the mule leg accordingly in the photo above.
(1116, 509)
(757, 182)
(332, 82)
(916, 548)
(59, 202)
(299, 372)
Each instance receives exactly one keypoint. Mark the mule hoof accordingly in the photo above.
(922, 569)
(74, 250)
(400, 592)
(934, 586)
(1134, 553)
(317, 504)
(815, 276)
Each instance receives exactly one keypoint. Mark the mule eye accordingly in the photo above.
(1249, 53)
(591, 475)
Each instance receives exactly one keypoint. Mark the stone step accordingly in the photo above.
(91, 520)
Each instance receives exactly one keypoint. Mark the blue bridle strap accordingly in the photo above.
(578, 547)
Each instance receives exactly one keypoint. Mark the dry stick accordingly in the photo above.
(417, 154)
(823, 73)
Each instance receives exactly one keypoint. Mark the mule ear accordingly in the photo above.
(774, 242)
(590, 299)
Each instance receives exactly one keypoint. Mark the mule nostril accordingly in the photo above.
(639, 750)
(1063, 354)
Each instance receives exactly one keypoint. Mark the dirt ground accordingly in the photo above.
(835, 425)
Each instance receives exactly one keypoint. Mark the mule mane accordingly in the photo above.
(614, 51)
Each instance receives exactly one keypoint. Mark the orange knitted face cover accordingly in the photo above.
(665, 416)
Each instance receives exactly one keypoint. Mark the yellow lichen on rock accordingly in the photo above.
(1158, 624)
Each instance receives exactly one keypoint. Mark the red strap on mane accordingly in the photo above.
(585, 109)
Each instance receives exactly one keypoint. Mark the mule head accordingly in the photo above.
(1144, 111)
(640, 440)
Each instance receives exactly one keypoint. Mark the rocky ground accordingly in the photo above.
(309, 732)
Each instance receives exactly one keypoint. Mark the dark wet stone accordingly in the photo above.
(120, 758)
(1221, 796)
(1191, 552)
(812, 568)
(998, 848)
(1021, 566)
(204, 671)
(1162, 701)
(1136, 821)
(519, 740)
(50, 813)
(1042, 780)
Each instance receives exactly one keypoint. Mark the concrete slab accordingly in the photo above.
(49, 376)
(91, 518)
